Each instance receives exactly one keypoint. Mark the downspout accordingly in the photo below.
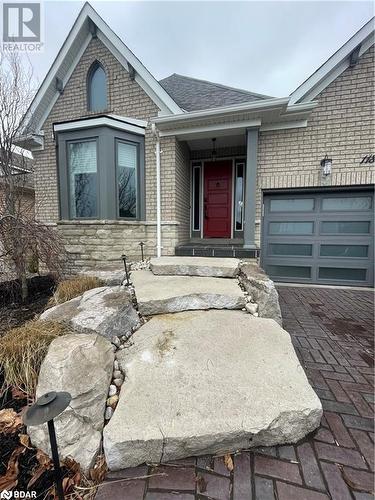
(158, 191)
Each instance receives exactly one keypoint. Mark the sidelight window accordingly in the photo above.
(239, 196)
(196, 197)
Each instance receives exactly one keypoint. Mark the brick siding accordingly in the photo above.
(341, 126)
(125, 98)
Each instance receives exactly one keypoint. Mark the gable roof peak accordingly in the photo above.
(69, 55)
(360, 42)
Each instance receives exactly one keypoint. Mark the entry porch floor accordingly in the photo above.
(216, 247)
(332, 332)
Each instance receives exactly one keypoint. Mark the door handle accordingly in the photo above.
(205, 212)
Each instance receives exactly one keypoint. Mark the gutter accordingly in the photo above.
(266, 104)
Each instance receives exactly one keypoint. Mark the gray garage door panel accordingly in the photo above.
(319, 238)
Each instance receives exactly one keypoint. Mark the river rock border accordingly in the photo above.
(123, 342)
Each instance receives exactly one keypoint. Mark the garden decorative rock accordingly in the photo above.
(108, 311)
(82, 365)
(208, 382)
(164, 294)
(195, 266)
(262, 290)
(110, 277)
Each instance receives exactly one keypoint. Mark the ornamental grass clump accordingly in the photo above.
(74, 287)
(23, 349)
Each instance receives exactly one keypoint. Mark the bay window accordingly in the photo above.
(101, 174)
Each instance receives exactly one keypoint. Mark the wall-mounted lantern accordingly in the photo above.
(326, 165)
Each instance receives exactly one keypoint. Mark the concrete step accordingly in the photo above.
(208, 382)
(195, 266)
(166, 294)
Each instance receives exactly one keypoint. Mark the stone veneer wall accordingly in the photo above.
(342, 126)
(102, 242)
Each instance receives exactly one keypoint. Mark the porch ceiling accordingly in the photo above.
(222, 141)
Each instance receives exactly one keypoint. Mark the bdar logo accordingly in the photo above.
(6, 494)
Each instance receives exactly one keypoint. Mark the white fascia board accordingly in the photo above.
(283, 125)
(100, 121)
(266, 104)
(65, 81)
(58, 61)
(127, 119)
(336, 72)
(364, 36)
(232, 126)
(301, 107)
(132, 59)
(121, 52)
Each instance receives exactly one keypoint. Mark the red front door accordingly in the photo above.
(217, 199)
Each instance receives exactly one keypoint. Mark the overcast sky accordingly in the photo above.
(263, 46)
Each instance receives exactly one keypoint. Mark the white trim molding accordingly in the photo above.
(335, 65)
(47, 94)
(113, 121)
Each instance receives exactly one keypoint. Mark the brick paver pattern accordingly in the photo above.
(332, 332)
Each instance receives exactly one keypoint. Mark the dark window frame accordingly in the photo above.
(93, 68)
(107, 189)
(68, 172)
(137, 187)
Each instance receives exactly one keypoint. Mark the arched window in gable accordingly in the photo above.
(97, 88)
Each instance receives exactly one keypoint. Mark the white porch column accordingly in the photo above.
(250, 187)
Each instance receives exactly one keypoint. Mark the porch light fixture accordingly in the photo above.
(124, 257)
(44, 410)
(326, 165)
(213, 152)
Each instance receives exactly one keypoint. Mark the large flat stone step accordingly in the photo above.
(166, 294)
(195, 266)
(207, 382)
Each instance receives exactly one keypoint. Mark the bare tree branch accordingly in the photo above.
(21, 236)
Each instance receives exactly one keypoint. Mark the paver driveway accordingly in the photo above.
(332, 331)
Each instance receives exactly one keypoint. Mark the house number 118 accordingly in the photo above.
(368, 159)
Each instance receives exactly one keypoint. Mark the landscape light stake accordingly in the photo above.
(46, 408)
(142, 245)
(123, 256)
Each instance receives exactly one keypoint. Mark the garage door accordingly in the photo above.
(319, 238)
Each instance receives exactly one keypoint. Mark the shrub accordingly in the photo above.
(71, 288)
(23, 349)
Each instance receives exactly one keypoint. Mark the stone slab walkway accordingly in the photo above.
(168, 294)
(332, 331)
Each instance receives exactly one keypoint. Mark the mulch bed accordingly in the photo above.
(13, 312)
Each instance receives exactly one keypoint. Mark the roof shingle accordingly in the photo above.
(192, 94)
